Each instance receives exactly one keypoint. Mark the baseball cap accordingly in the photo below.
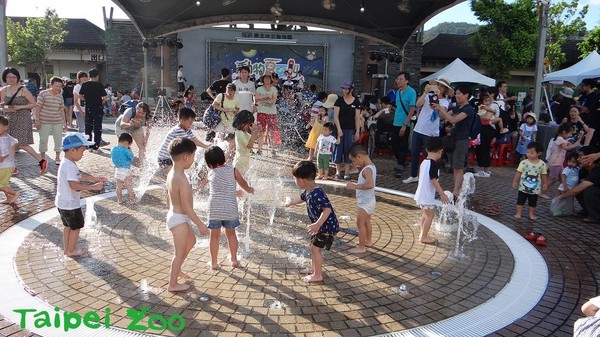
(93, 72)
(73, 140)
(347, 84)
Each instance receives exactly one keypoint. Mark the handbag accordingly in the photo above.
(13, 96)
(212, 116)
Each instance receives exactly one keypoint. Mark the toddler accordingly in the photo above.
(530, 179)
(365, 196)
(324, 224)
(181, 209)
(68, 191)
(228, 147)
(8, 148)
(570, 175)
(122, 156)
(325, 143)
(428, 184)
(246, 133)
(527, 134)
(317, 128)
(222, 203)
(557, 150)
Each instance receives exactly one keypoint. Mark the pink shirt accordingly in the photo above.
(556, 153)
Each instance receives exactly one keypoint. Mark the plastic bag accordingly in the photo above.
(561, 206)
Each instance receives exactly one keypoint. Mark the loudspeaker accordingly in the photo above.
(371, 69)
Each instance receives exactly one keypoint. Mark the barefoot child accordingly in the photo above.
(122, 156)
(68, 191)
(365, 196)
(325, 143)
(530, 179)
(246, 132)
(428, 185)
(222, 203)
(181, 211)
(324, 224)
(181, 130)
(8, 148)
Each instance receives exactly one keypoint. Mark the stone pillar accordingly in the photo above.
(124, 55)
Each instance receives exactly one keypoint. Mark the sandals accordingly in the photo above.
(493, 209)
(539, 239)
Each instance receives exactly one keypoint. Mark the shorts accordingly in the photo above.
(5, 175)
(425, 206)
(122, 173)
(531, 198)
(69, 101)
(216, 224)
(459, 155)
(266, 121)
(340, 154)
(323, 161)
(368, 206)
(164, 162)
(322, 240)
(72, 218)
(554, 172)
(175, 219)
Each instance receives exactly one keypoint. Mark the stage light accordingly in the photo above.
(372, 57)
(198, 3)
(146, 43)
(179, 45)
(362, 6)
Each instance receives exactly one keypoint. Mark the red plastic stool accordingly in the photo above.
(503, 154)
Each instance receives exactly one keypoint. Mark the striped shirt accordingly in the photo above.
(175, 132)
(51, 108)
(222, 202)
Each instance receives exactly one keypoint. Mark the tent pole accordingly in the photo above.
(541, 52)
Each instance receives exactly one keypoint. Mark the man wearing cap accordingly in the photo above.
(406, 100)
(95, 96)
(565, 101)
(433, 101)
(346, 117)
(590, 114)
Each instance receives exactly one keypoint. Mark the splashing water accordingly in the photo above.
(454, 217)
(150, 164)
(90, 212)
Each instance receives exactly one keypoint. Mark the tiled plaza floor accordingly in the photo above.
(131, 251)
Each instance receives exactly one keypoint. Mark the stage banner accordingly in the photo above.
(263, 59)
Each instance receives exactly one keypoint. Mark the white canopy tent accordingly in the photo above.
(458, 71)
(589, 67)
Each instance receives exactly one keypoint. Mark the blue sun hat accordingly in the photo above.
(73, 140)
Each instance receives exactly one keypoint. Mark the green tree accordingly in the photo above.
(565, 21)
(32, 44)
(590, 43)
(507, 40)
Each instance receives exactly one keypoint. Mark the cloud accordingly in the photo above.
(594, 3)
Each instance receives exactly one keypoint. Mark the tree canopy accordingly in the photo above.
(565, 21)
(508, 39)
(32, 43)
(590, 43)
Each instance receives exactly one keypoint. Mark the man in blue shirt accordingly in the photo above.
(406, 100)
(32, 86)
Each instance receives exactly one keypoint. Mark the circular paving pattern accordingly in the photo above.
(398, 284)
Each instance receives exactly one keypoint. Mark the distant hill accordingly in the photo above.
(459, 28)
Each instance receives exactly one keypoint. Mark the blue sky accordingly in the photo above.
(92, 10)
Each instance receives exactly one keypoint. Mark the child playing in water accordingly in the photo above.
(530, 173)
(325, 143)
(228, 147)
(8, 148)
(317, 128)
(222, 203)
(181, 130)
(428, 185)
(246, 132)
(365, 196)
(181, 211)
(122, 156)
(68, 191)
(324, 224)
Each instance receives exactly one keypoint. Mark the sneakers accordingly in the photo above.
(410, 180)
(104, 143)
(483, 174)
(43, 166)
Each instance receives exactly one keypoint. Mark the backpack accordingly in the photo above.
(475, 128)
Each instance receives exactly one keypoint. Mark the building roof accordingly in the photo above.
(82, 34)
(391, 22)
(447, 47)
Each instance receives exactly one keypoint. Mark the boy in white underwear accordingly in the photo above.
(365, 196)
(181, 210)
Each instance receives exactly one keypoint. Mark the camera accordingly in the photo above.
(433, 98)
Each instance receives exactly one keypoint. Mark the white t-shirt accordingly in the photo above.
(425, 194)
(76, 90)
(66, 197)
(6, 149)
(425, 125)
(245, 94)
(556, 154)
(325, 144)
(180, 77)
